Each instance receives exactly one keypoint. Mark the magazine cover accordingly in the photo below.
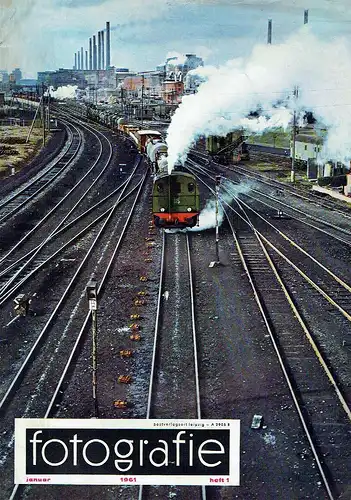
(175, 233)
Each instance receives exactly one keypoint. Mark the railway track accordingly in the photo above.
(174, 368)
(24, 265)
(34, 390)
(319, 399)
(21, 197)
(337, 207)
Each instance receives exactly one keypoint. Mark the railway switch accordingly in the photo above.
(21, 305)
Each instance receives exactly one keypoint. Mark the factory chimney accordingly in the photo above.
(269, 36)
(90, 55)
(108, 46)
(81, 58)
(99, 50)
(305, 17)
(102, 49)
(94, 52)
(78, 59)
(86, 59)
(75, 60)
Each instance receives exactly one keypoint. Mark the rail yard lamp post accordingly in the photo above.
(216, 262)
(91, 290)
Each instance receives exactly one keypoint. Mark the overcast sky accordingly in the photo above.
(42, 35)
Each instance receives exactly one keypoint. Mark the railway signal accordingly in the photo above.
(91, 291)
(21, 305)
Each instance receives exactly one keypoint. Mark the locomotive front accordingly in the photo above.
(176, 200)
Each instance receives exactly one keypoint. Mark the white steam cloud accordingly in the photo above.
(265, 81)
(228, 191)
(67, 92)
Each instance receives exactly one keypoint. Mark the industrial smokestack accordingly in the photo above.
(78, 59)
(94, 52)
(90, 55)
(305, 17)
(81, 58)
(269, 36)
(86, 59)
(102, 50)
(75, 60)
(108, 46)
(99, 50)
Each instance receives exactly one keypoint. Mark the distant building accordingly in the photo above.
(176, 68)
(17, 75)
(172, 91)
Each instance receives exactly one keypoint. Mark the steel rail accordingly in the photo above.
(52, 407)
(282, 365)
(9, 198)
(20, 373)
(296, 245)
(156, 338)
(42, 187)
(20, 242)
(11, 291)
(294, 209)
(48, 238)
(63, 229)
(276, 184)
(309, 337)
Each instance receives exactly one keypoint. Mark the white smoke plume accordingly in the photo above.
(266, 81)
(227, 192)
(67, 92)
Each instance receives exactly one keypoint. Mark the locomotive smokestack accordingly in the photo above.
(305, 17)
(108, 46)
(90, 55)
(99, 50)
(269, 36)
(102, 50)
(81, 58)
(94, 52)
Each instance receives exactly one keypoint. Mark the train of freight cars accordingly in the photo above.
(175, 195)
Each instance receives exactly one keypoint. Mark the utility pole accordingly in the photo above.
(91, 290)
(49, 110)
(43, 113)
(296, 94)
(142, 99)
(218, 181)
